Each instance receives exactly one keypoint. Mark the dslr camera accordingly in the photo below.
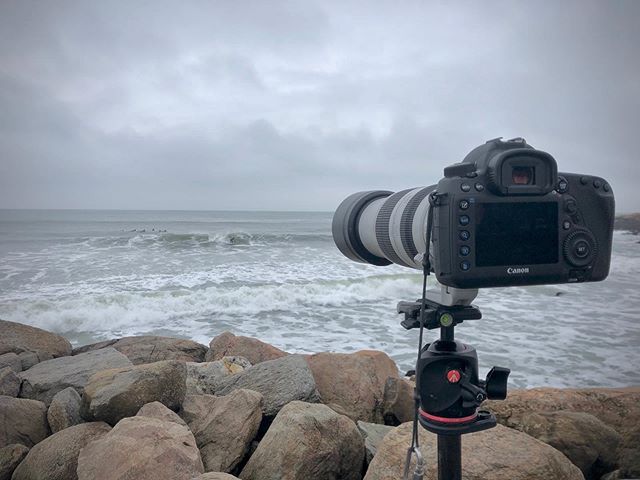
(503, 216)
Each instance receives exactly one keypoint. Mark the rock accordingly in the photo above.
(500, 453)
(29, 359)
(142, 448)
(215, 476)
(12, 361)
(44, 380)
(308, 442)
(353, 384)
(398, 405)
(586, 441)
(630, 223)
(10, 458)
(227, 345)
(615, 475)
(93, 346)
(618, 408)
(160, 412)
(64, 411)
(279, 381)
(629, 455)
(56, 458)
(212, 419)
(32, 339)
(204, 377)
(9, 382)
(372, 433)
(151, 349)
(111, 395)
(23, 421)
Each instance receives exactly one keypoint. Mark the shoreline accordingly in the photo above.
(237, 406)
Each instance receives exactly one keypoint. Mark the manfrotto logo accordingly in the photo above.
(515, 271)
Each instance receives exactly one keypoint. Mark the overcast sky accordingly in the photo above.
(294, 105)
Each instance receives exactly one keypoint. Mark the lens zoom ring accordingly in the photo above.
(382, 227)
(406, 221)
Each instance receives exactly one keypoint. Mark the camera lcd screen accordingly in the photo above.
(516, 233)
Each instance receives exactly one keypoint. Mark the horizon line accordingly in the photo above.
(160, 210)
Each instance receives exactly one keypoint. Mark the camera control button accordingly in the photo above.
(464, 219)
(465, 235)
(465, 250)
(479, 187)
(571, 206)
(584, 180)
(566, 225)
(606, 187)
(464, 204)
(581, 249)
(597, 183)
(465, 187)
(563, 185)
(464, 266)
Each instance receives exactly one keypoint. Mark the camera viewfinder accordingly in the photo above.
(523, 175)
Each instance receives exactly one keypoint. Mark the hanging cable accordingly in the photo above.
(426, 270)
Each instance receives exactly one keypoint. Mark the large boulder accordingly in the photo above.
(204, 377)
(211, 419)
(227, 345)
(64, 411)
(500, 453)
(618, 408)
(26, 338)
(629, 456)
(10, 458)
(111, 395)
(398, 405)
(586, 441)
(56, 458)
(142, 447)
(160, 412)
(215, 476)
(308, 442)
(353, 384)
(29, 359)
(279, 381)
(11, 360)
(23, 421)
(44, 380)
(151, 349)
(373, 434)
(9, 382)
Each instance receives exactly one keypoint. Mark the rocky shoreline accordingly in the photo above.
(167, 408)
(629, 223)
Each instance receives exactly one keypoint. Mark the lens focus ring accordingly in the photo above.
(382, 227)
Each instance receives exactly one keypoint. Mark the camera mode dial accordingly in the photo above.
(580, 248)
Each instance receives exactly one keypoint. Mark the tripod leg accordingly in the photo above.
(449, 457)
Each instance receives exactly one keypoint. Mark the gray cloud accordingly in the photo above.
(293, 105)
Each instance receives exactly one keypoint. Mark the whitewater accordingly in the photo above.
(95, 275)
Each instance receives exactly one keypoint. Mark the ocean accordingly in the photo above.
(277, 276)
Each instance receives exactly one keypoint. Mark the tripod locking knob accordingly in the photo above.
(496, 383)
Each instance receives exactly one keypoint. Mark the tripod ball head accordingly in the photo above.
(450, 390)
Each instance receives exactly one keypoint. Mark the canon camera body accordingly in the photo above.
(503, 216)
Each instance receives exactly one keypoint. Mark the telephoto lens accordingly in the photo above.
(381, 227)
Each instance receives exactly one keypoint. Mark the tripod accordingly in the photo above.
(448, 391)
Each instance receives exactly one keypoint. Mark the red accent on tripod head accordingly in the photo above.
(453, 376)
(435, 418)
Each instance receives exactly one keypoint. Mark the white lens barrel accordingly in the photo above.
(379, 227)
